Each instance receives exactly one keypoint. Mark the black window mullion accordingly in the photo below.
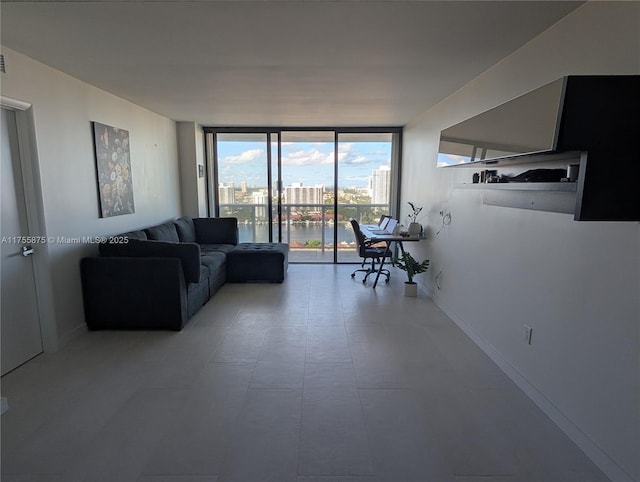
(280, 187)
(269, 187)
(214, 171)
(335, 197)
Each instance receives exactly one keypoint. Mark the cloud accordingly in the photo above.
(244, 157)
(451, 159)
(360, 160)
(345, 146)
(357, 153)
(355, 158)
(307, 157)
(347, 153)
(357, 178)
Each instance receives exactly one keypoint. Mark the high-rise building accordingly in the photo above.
(226, 194)
(243, 186)
(299, 194)
(261, 198)
(380, 184)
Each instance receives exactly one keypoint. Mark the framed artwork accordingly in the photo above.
(113, 165)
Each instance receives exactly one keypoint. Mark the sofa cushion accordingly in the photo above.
(216, 248)
(204, 277)
(213, 261)
(216, 230)
(110, 246)
(186, 230)
(188, 253)
(257, 262)
(163, 232)
(216, 264)
(140, 234)
(198, 293)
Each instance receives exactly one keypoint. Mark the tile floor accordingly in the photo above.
(320, 379)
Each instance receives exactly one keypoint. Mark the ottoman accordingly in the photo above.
(257, 262)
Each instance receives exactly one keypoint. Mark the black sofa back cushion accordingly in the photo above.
(186, 229)
(163, 232)
(140, 234)
(110, 247)
(216, 230)
(188, 253)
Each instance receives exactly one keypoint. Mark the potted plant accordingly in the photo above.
(409, 264)
(415, 227)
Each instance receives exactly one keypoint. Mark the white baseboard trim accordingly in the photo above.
(592, 450)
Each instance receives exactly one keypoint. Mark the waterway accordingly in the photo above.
(301, 233)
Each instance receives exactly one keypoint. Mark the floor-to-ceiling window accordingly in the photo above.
(367, 183)
(302, 186)
(243, 183)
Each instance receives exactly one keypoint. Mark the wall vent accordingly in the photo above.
(3, 68)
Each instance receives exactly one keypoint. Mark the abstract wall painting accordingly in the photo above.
(113, 164)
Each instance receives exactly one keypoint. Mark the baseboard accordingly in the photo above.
(71, 335)
(610, 468)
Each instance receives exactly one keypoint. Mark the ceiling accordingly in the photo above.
(277, 63)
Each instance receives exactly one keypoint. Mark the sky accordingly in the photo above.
(310, 163)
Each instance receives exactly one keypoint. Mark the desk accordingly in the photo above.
(386, 238)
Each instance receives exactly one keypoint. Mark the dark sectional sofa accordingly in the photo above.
(159, 277)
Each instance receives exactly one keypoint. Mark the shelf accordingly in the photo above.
(569, 157)
(522, 186)
(555, 197)
(568, 121)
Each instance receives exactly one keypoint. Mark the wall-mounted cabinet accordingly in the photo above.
(590, 120)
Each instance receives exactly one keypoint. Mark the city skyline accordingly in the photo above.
(309, 163)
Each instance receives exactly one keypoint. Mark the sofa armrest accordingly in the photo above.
(187, 253)
(133, 293)
(216, 230)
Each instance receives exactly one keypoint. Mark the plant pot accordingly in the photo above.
(411, 289)
(414, 229)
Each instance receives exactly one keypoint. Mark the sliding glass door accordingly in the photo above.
(365, 180)
(242, 185)
(302, 186)
(308, 193)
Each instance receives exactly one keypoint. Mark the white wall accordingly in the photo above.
(63, 108)
(191, 155)
(576, 283)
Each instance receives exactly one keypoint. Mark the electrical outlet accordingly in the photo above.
(528, 331)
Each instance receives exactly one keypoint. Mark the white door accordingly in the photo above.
(20, 334)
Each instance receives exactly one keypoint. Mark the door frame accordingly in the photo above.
(29, 161)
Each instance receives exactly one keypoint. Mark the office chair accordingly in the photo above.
(367, 251)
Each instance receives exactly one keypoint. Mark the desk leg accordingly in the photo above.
(375, 283)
